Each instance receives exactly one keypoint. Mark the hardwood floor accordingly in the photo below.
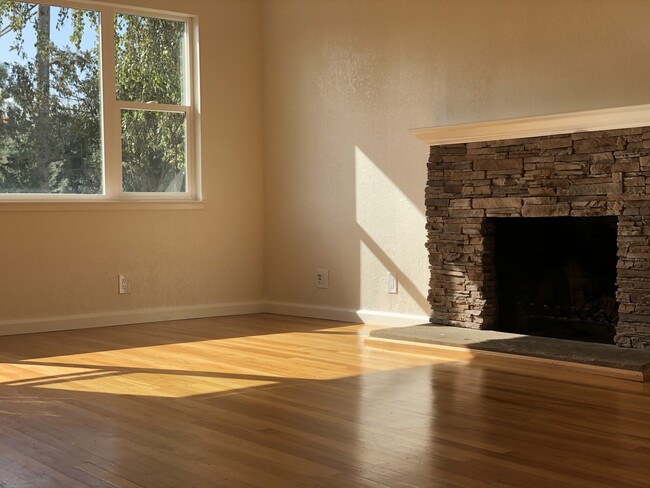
(274, 401)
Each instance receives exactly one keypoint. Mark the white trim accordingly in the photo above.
(118, 5)
(194, 163)
(100, 206)
(391, 319)
(111, 108)
(373, 317)
(154, 107)
(311, 311)
(545, 125)
(107, 319)
(127, 317)
(110, 114)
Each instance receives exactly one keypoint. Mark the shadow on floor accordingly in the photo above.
(63, 343)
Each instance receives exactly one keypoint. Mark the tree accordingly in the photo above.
(149, 69)
(50, 138)
(52, 105)
(4, 119)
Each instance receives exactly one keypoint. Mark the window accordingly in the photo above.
(95, 103)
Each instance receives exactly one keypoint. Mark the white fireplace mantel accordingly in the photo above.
(545, 125)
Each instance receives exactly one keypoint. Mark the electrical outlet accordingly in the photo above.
(124, 284)
(322, 278)
(392, 283)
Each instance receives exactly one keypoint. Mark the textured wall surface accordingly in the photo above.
(61, 263)
(344, 80)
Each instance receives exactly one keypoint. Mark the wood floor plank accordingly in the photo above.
(274, 401)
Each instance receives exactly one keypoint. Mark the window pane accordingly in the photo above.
(153, 151)
(50, 128)
(149, 57)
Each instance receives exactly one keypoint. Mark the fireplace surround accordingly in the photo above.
(602, 173)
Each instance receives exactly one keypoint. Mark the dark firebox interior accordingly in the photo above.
(556, 277)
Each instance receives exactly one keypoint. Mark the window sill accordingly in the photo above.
(97, 206)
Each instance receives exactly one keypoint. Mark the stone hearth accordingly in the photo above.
(585, 174)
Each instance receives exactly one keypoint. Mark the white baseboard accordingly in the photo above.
(106, 319)
(389, 319)
(321, 312)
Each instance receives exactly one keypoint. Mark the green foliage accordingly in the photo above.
(4, 139)
(50, 109)
(149, 67)
(148, 58)
(52, 128)
(15, 16)
(151, 167)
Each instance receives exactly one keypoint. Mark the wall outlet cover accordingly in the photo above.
(322, 278)
(124, 284)
(392, 282)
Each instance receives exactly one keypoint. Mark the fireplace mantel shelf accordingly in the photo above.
(545, 125)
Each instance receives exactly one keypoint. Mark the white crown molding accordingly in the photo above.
(545, 125)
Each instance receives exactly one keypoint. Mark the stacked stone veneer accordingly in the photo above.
(582, 174)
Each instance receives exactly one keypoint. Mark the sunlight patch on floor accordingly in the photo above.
(137, 383)
(214, 366)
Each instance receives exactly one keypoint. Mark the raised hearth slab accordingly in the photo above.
(464, 344)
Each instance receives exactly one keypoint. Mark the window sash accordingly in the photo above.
(111, 112)
(159, 108)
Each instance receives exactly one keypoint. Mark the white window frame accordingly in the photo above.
(111, 110)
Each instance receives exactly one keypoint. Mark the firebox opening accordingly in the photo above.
(556, 277)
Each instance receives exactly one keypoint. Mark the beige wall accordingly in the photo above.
(66, 263)
(308, 103)
(345, 79)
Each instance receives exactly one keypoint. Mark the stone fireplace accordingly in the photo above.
(570, 213)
